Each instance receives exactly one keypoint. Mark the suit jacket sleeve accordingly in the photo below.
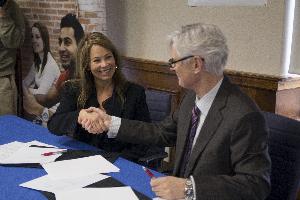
(160, 134)
(250, 161)
(64, 120)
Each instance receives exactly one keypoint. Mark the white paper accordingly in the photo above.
(79, 167)
(27, 154)
(47, 184)
(115, 193)
(6, 150)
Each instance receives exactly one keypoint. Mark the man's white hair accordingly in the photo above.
(204, 40)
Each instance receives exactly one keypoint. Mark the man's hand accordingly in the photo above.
(168, 187)
(30, 104)
(94, 120)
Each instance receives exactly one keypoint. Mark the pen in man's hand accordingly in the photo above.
(148, 172)
(53, 153)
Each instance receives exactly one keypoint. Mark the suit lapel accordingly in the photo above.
(210, 126)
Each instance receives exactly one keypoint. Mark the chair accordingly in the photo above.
(284, 149)
(159, 105)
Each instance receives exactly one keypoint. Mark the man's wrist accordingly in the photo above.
(39, 110)
(189, 189)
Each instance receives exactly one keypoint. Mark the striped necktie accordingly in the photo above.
(189, 141)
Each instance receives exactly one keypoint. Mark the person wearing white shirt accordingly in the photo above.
(219, 132)
(44, 71)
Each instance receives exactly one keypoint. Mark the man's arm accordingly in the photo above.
(12, 28)
(50, 99)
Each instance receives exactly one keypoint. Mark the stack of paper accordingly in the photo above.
(67, 178)
(79, 167)
(45, 183)
(30, 152)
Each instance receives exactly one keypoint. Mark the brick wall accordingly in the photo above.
(91, 14)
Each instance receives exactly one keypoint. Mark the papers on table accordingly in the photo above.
(6, 150)
(67, 178)
(45, 183)
(115, 193)
(79, 167)
(30, 152)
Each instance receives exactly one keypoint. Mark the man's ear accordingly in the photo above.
(199, 64)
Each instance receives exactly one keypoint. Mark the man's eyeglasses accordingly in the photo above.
(172, 62)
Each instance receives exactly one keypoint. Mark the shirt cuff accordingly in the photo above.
(114, 127)
(194, 186)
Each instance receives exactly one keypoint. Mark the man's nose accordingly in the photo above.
(61, 47)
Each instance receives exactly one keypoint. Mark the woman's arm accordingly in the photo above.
(64, 120)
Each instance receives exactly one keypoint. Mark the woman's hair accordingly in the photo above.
(87, 83)
(45, 38)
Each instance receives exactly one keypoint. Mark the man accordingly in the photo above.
(220, 134)
(12, 32)
(71, 33)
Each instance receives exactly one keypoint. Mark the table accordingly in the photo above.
(13, 128)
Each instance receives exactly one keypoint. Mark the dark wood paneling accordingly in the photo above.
(276, 94)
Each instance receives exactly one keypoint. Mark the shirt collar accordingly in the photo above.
(206, 101)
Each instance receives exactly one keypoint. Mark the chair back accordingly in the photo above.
(159, 104)
(284, 149)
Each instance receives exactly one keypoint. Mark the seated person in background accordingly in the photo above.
(101, 85)
(44, 71)
(71, 33)
(219, 132)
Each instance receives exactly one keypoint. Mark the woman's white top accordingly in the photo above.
(40, 82)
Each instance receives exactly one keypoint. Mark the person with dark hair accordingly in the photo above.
(101, 85)
(12, 33)
(46, 104)
(44, 71)
(219, 132)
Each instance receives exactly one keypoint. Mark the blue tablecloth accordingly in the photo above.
(13, 128)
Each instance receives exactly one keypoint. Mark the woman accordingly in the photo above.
(45, 71)
(101, 85)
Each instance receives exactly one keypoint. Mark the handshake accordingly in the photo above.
(94, 120)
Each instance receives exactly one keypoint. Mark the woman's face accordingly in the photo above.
(102, 63)
(37, 41)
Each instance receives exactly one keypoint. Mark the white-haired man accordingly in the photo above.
(219, 132)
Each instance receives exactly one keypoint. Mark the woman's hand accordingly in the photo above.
(92, 120)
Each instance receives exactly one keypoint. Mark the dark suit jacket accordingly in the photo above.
(64, 121)
(230, 158)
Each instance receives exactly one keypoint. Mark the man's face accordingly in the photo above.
(182, 70)
(67, 47)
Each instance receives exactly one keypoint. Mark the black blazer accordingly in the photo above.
(64, 121)
(230, 158)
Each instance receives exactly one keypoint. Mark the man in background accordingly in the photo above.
(12, 33)
(71, 33)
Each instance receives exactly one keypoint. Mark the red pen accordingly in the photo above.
(148, 172)
(53, 153)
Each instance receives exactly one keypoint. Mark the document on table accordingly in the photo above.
(79, 167)
(45, 183)
(115, 193)
(6, 150)
(30, 152)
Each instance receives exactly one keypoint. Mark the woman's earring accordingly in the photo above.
(116, 67)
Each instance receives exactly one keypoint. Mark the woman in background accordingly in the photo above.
(101, 85)
(44, 71)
